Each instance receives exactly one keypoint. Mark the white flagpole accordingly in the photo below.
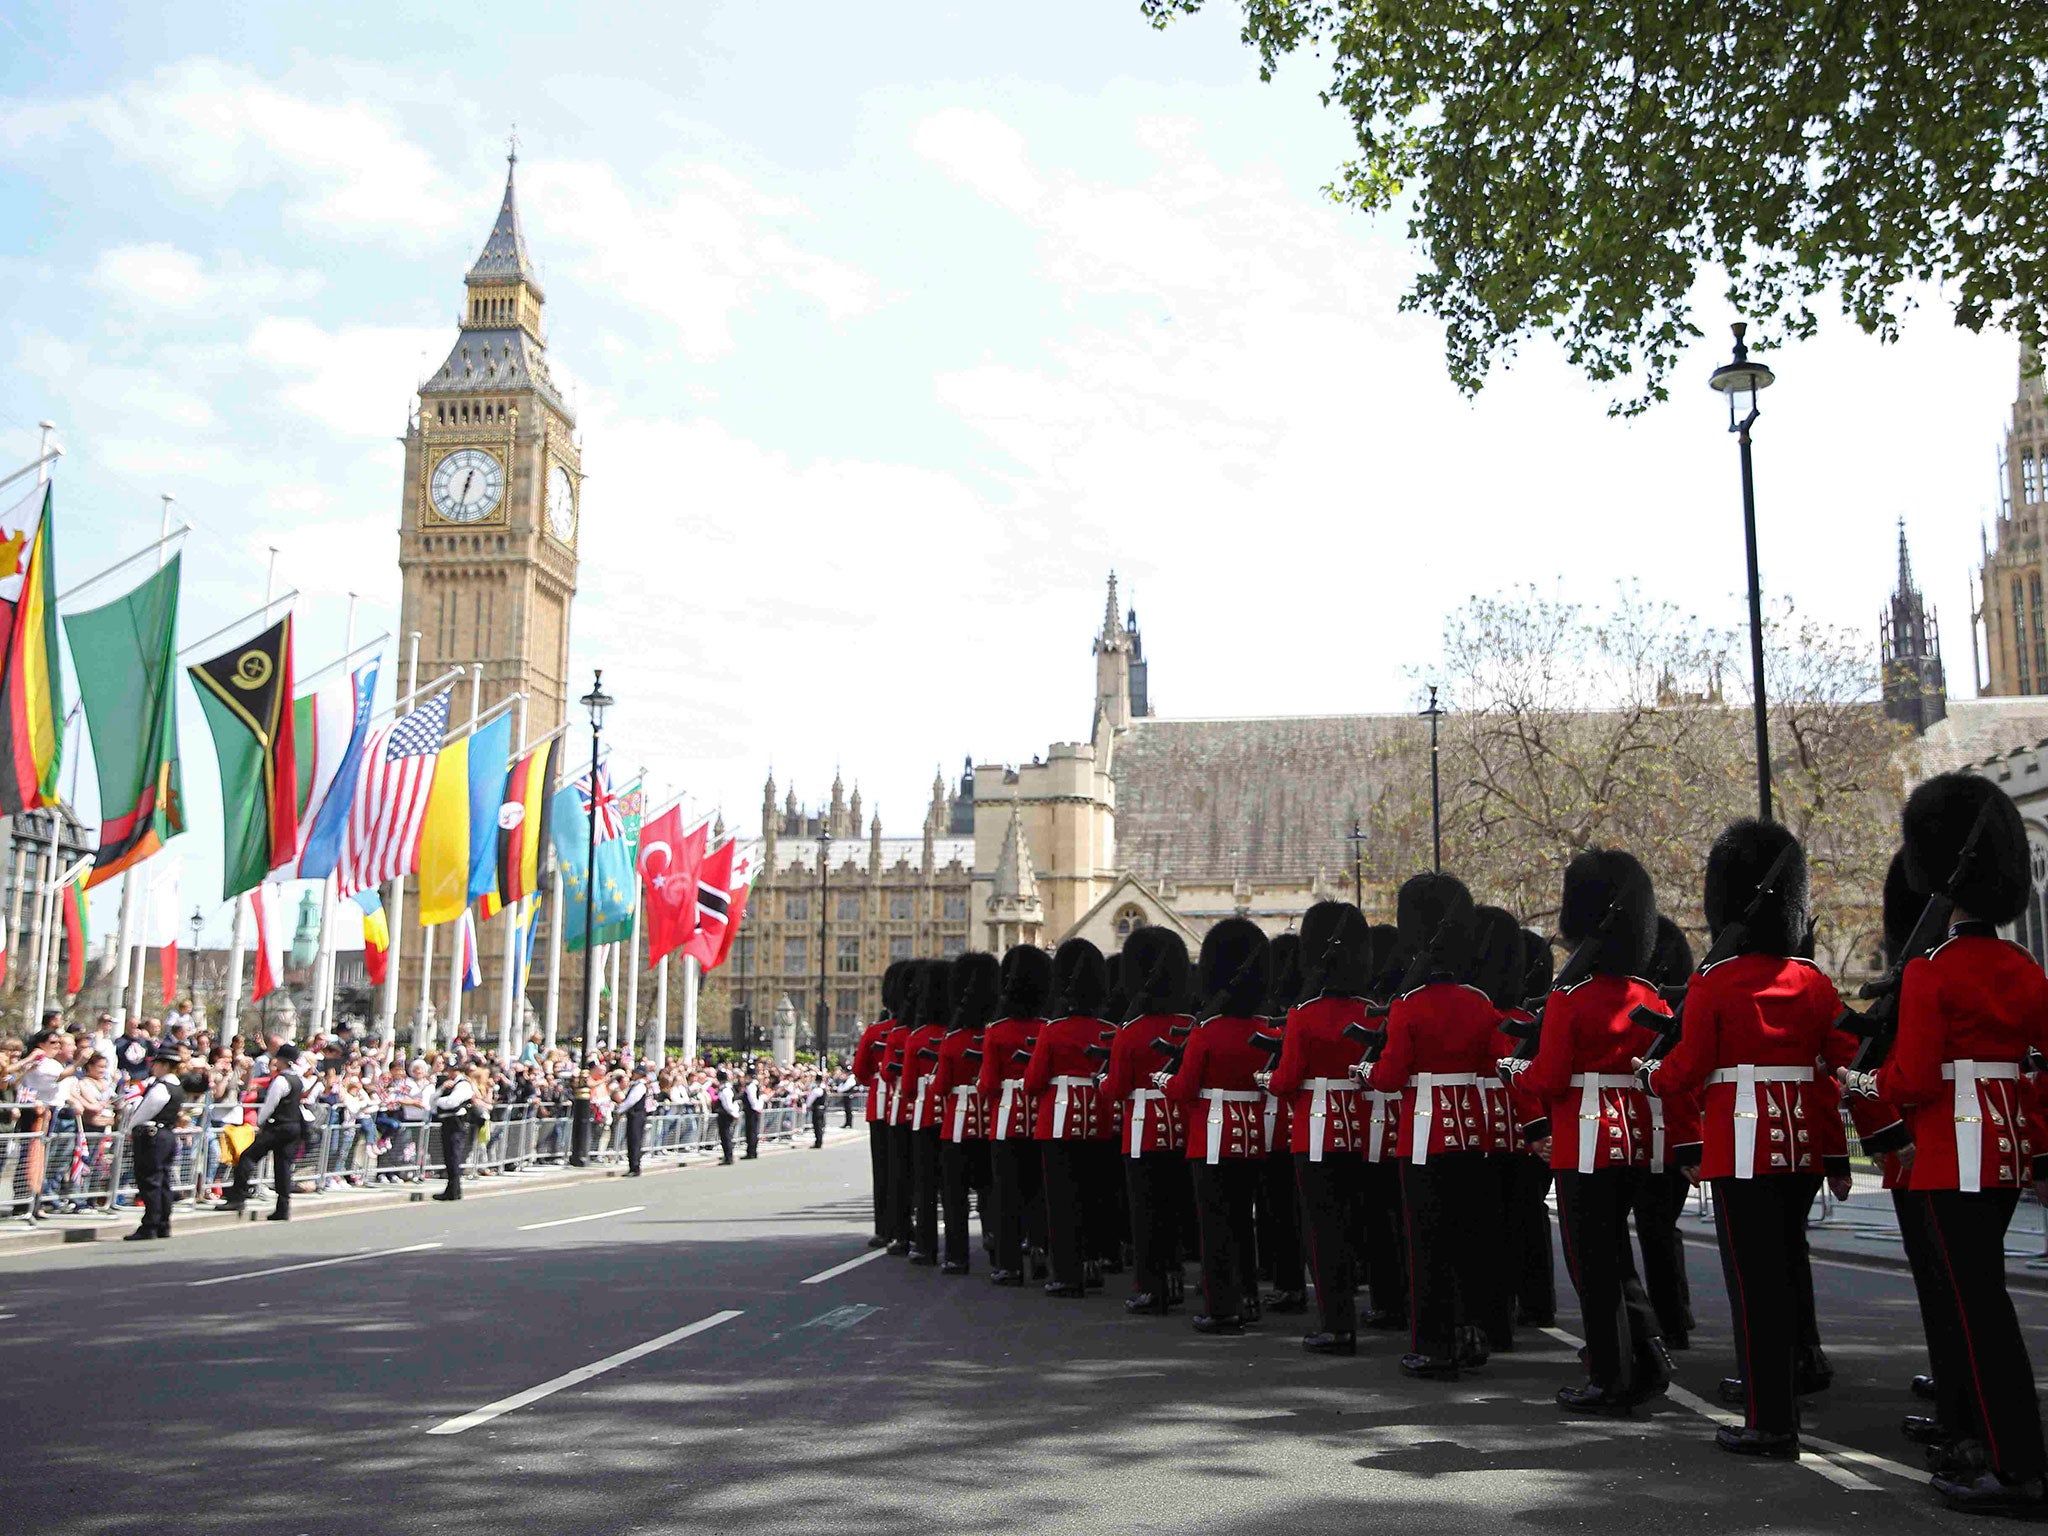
(425, 1035)
(323, 965)
(142, 946)
(394, 909)
(632, 968)
(46, 886)
(456, 947)
(611, 1012)
(231, 1011)
(689, 1007)
(554, 1004)
(657, 1028)
(509, 992)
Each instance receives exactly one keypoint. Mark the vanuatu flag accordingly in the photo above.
(126, 654)
(523, 826)
(31, 683)
(246, 693)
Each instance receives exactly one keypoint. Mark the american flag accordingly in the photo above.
(609, 824)
(390, 802)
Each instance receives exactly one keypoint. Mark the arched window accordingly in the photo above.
(1129, 919)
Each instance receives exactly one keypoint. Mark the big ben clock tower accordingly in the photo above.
(493, 490)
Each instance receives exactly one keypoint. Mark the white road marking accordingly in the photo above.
(839, 1269)
(570, 1221)
(582, 1373)
(840, 1319)
(286, 1269)
(1817, 1451)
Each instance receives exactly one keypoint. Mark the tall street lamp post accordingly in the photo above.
(596, 702)
(1436, 799)
(824, 894)
(1741, 380)
(198, 922)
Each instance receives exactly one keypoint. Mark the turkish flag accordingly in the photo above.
(714, 901)
(669, 860)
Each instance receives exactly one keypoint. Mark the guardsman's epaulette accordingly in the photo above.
(1568, 991)
(1715, 965)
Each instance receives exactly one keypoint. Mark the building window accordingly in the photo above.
(1128, 921)
(846, 1011)
(848, 910)
(849, 956)
(899, 946)
(2030, 477)
(796, 908)
(2040, 629)
(956, 909)
(2019, 634)
(900, 909)
(796, 955)
(952, 946)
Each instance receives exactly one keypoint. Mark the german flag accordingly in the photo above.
(31, 683)
(523, 827)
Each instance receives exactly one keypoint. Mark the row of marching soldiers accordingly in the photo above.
(1385, 1109)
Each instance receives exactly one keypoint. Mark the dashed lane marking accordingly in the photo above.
(570, 1221)
(582, 1373)
(286, 1269)
(839, 1269)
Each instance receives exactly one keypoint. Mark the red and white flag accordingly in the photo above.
(273, 935)
(382, 841)
(670, 858)
(742, 882)
(714, 903)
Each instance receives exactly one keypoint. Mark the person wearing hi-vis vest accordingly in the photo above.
(1969, 1012)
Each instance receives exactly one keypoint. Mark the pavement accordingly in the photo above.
(716, 1348)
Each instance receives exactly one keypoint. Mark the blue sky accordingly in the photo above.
(890, 329)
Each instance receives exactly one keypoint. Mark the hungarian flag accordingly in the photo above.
(669, 860)
(742, 882)
(75, 932)
(714, 904)
(31, 682)
(246, 692)
(271, 938)
(126, 656)
(376, 934)
(523, 827)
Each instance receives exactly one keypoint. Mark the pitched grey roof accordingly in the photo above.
(503, 258)
(1281, 792)
(504, 357)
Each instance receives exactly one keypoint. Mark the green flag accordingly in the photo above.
(126, 656)
(246, 694)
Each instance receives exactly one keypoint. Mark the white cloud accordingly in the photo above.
(355, 380)
(213, 130)
(156, 277)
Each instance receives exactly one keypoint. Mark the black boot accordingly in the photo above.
(953, 1267)
(1330, 1343)
(1065, 1292)
(1283, 1302)
(1990, 1494)
(1012, 1277)
(1757, 1442)
(1145, 1304)
(1922, 1387)
(1593, 1399)
(1925, 1429)
(1204, 1323)
(878, 1241)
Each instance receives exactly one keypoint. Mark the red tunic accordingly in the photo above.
(1002, 1076)
(1440, 1038)
(1225, 1107)
(1756, 1028)
(1151, 1121)
(920, 1076)
(1328, 1107)
(1599, 1113)
(1881, 1128)
(1066, 1096)
(1530, 1113)
(963, 1113)
(1967, 1015)
(896, 1075)
(867, 1064)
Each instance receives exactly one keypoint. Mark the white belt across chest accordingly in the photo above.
(1319, 1091)
(1969, 1113)
(1062, 1088)
(917, 1105)
(1745, 1078)
(1011, 1085)
(1595, 1084)
(963, 1100)
(1218, 1097)
(1426, 1085)
(1140, 1097)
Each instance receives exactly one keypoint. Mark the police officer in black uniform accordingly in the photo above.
(455, 1109)
(151, 1123)
(750, 1107)
(723, 1107)
(280, 1127)
(634, 1107)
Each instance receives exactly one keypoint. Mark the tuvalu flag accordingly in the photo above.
(669, 857)
(610, 892)
(246, 693)
(31, 682)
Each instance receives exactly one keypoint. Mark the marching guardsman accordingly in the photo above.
(1531, 1265)
(1276, 1205)
(973, 984)
(1064, 1083)
(151, 1122)
(1439, 1048)
(920, 1072)
(868, 1052)
(1153, 1140)
(1600, 1121)
(1675, 1148)
(1380, 1231)
(897, 1079)
(1498, 969)
(1216, 1087)
(634, 1107)
(280, 1127)
(1328, 1119)
(1969, 1012)
(1754, 1026)
(1006, 1047)
(1109, 1216)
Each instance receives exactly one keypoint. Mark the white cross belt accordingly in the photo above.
(1969, 1113)
(1745, 1077)
(1063, 1087)
(1426, 1085)
(1591, 1085)
(1319, 1091)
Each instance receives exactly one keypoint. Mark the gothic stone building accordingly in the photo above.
(2013, 610)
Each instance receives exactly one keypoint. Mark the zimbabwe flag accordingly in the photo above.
(523, 827)
(31, 683)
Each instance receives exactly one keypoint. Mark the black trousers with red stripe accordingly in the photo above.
(1950, 1371)
(963, 1167)
(1761, 1223)
(1659, 1204)
(1014, 1200)
(1067, 1165)
(899, 1184)
(1454, 1221)
(1153, 1180)
(1277, 1214)
(1380, 1236)
(1972, 1312)
(1331, 1192)
(924, 1185)
(878, 1168)
(1224, 1192)
(1531, 1267)
(1615, 1310)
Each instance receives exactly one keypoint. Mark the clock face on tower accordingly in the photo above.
(561, 504)
(467, 485)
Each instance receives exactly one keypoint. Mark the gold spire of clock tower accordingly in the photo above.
(492, 494)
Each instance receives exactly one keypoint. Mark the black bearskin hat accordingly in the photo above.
(1390, 957)
(1155, 968)
(1435, 917)
(1497, 960)
(924, 1003)
(1338, 952)
(892, 988)
(973, 982)
(1236, 967)
(1593, 882)
(1027, 982)
(1284, 959)
(1939, 817)
(1902, 908)
(1113, 1008)
(1080, 979)
(1671, 957)
(1539, 964)
(1736, 865)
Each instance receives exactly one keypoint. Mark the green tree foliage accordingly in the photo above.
(1573, 164)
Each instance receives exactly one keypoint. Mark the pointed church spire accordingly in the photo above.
(1905, 563)
(1112, 632)
(503, 257)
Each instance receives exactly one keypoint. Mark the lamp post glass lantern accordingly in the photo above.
(824, 895)
(1742, 379)
(198, 922)
(1436, 801)
(595, 703)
